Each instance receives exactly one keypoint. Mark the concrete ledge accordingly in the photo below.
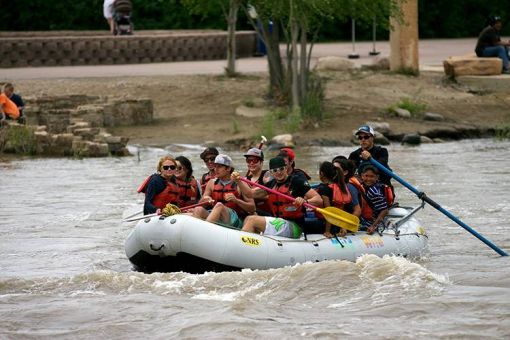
(481, 84)
(20, 49)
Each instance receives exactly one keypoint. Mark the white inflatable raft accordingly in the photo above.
(184, 243)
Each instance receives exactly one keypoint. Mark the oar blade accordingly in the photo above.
(340, 218)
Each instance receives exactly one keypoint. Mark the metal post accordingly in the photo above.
(373, 52)
(353, 55)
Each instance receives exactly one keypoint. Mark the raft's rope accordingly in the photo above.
(170, 209)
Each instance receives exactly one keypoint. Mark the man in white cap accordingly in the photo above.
(234, 200)
(367, 149)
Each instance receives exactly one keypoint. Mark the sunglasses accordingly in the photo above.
(252, 160)
(280, 169)
(169, 167)
(364, 137)
(209, 159)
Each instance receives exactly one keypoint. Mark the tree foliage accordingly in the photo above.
(438, 18)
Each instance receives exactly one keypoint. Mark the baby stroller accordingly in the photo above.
(122, 24)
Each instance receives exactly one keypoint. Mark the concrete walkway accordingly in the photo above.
(432, 53)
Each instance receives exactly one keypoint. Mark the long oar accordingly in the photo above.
(333, 215)
(421, 195)
(181, 209)
(134, 214)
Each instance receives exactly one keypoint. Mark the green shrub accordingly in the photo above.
(20, 140)
(416, 108)
(502, 132)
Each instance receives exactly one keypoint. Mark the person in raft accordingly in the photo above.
(189, 190)
(288, 216)
(233, 197)
(254, 163)
(208, 156)
(334, 193)
(158, 188)
(367, 149)
(375, 204)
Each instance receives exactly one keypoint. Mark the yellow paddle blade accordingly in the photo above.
(340, 218)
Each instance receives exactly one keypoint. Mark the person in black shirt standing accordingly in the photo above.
(361, 156)
(489, 43)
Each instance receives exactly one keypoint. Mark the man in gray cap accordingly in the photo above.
(367, 149)
(289, 216)
(233, 197)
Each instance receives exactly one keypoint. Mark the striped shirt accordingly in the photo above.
(376, 199)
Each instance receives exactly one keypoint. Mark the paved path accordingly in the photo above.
(432, 53)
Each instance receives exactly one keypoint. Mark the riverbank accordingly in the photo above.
(201, 108)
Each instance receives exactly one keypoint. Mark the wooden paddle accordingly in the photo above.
(181, 209)
(333, 215)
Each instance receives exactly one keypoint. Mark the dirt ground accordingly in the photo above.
(201, 108)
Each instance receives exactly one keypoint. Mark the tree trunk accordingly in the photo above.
(294, 34)
(303, 64)
(231, 38)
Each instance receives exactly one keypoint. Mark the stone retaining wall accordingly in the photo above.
(74, 126)
(20, 49)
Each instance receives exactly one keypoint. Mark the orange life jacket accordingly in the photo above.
(219, 191)
(282, 207)
(339, 199)
(169, 195)
(188, 192)
(205, 178)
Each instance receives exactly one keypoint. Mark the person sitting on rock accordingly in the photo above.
(8, 109)
(16, 99)
(208, 156)
(367, 149)
(489, 42)
(234, 200)
(288, 217)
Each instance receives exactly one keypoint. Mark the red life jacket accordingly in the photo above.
(261, 204)
(219, 191)
(205, 178)
(282, 207)
(169, 195)
(188, 191)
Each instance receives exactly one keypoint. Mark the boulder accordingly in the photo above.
(332, 63)
(411, 139)
(381, 127)
(472, 65)
(283, 140)
(437, 117)
(426, 140)
(250, 112)
(402, 113)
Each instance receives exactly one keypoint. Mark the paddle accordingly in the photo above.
(181, 209)
(333, 215)
(421, 195)
(262, 141)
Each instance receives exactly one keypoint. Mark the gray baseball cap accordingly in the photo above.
(223, 160)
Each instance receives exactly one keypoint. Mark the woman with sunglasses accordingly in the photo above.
(288, 217)
(254, 161)
(367, 149)
(189, 190)
(159, 188)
